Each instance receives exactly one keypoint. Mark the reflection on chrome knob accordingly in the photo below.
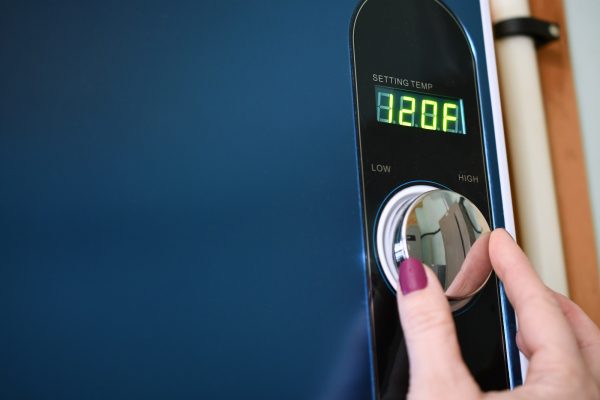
(445, 231)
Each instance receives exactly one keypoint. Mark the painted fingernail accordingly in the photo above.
(411, 274)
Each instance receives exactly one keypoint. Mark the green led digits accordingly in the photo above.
(384, 112)
(419, 110)
(407, 111)
(450, 117)
(429, 114)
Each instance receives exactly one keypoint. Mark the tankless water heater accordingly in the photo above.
(209, 200)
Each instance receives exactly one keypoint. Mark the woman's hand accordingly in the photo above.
(560, 341)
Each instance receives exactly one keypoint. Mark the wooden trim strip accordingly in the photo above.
(568, 159)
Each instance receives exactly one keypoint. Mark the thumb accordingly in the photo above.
(436, 365)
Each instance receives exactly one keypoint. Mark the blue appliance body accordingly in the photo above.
(180, 212)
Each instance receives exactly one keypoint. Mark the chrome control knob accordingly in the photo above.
(444, 230)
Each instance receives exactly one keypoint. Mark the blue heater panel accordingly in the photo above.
(180, 207)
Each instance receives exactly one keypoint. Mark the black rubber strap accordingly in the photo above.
(541, 31)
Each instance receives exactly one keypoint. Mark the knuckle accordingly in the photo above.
(580, 385)
(536, 300)
(426, 321)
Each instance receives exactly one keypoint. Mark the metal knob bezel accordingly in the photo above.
(392, 245)
(390, 218)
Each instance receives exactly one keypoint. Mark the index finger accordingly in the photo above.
(542, 325)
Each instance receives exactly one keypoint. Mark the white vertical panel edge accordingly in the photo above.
(490, 57)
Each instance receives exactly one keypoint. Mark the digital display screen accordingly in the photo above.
(419, 110)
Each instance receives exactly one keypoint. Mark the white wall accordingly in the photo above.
(583, 24)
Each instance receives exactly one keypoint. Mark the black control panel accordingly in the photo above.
(418, 123)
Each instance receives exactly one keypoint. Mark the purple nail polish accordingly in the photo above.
(411, 274)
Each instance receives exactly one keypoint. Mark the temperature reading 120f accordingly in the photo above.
(418, 110)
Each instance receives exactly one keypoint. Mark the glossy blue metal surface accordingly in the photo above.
(179, 203)
(179, 210)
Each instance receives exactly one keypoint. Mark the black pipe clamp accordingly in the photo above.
(541, 31)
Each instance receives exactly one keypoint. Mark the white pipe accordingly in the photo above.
(529, 151)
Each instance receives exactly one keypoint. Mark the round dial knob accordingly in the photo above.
(444, 230)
